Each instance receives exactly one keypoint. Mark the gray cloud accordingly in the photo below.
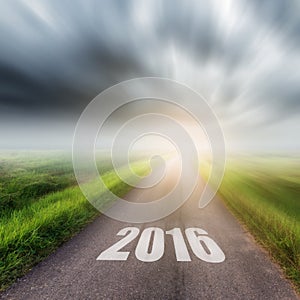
(282, 16)
(243, 58)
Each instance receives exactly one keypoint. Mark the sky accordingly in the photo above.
(243, 57)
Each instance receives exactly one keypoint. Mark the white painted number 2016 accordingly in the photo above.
(202, 246)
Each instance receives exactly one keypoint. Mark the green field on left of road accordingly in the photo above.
(41, 205)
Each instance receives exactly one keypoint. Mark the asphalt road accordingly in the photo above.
(73, 271)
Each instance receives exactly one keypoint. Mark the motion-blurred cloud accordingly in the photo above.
(243, 57)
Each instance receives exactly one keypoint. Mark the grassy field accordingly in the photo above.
(41, 206)
(263, 192)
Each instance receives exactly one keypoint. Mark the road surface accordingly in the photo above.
(73, 271)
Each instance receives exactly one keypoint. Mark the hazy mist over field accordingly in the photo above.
(242, 56)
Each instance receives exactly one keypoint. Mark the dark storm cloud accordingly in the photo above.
(75, 50)
(194, 27)
(53, 70)
(56, 56)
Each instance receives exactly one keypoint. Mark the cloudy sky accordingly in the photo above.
(242, 56)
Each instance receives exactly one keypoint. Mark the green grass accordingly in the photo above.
(263, 192)
(25, 176)
(33, 228)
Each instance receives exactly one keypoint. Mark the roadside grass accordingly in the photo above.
(34, 229)
(25, 176)
(263, 192)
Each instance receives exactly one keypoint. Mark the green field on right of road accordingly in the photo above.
(264, 193)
